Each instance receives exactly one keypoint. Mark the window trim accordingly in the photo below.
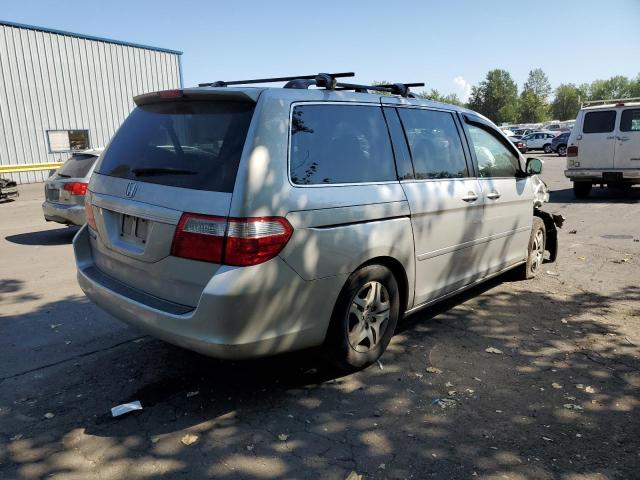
(325, 185)
(46, 133)
(482, 124)
(461, 135)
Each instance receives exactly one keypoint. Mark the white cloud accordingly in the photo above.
(464, 88)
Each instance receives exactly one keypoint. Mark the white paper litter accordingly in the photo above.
(125, 408)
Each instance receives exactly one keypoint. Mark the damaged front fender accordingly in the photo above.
(552, 222)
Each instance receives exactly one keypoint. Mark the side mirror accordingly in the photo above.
(534, 166)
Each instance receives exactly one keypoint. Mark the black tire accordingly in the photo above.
(534, 255)
(338, 348)
(562, 151)
(581, 189)
(547, 148)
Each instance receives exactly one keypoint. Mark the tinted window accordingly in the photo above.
(193, 145)
(77, 166)
(435, 145)
(494, 158)
(630, 121)
(599, 122)
(340, 144)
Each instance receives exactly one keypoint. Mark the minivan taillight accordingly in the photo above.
(572, 151)
(230, 241)
(76, 188)
(88, 210)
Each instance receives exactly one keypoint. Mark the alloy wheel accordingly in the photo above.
(368, 316)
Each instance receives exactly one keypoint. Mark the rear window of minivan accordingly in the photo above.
(599, 122)
(77, 166)
(187, 144)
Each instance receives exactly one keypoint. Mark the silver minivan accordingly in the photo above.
(241, 221)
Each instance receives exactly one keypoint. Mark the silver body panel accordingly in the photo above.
(441, 243)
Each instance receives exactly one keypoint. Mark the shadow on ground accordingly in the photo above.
(598, 195)
(557, 402)
(59, 236)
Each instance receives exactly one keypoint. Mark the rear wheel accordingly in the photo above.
(562, 151)
(364, 318)
(547, 148)
(581, 189)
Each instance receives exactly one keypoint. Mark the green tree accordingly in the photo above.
(567, 102)
(436, 96)
(496, 97)
(534, 100)
(614, 87)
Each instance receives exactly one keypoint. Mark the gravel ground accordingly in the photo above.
(556, 396)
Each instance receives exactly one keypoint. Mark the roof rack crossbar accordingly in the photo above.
(401, 89)
(223, 83)
(589, 103)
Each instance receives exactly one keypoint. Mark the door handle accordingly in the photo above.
(470, 197)
(493, 195)
(623, 139)
(611, 137)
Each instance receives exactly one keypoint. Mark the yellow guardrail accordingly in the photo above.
(30, 167)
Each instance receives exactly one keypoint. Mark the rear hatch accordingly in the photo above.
(177, 152)
(68, 184)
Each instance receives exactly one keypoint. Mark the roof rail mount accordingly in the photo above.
(324, 80)
(609, 101)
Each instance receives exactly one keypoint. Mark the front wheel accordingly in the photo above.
(535, 252)
(547, 148)
(364, 318)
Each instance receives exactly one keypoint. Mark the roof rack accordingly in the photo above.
(324, 80)
(592, 103)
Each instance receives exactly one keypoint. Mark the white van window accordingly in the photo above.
(599, 122)
(630, 121)
(340, 144)
(494, 158)
(435, 144)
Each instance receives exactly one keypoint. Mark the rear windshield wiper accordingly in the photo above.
(150, 172)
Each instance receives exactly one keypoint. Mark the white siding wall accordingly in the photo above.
(51, 81)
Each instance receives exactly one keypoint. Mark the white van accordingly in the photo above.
(604, 146)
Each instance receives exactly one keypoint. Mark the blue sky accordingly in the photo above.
(449, 45)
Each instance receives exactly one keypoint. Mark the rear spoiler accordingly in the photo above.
(199, 94)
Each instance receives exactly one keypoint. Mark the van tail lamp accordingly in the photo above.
(88, 210)
(572, 151)
(170, 94)
(76, 188)
(230, 241)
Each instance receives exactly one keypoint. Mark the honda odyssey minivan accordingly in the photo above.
(248, 221)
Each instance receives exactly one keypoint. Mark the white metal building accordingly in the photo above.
(62, 91)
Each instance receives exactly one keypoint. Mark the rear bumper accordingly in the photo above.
(598, 175)
(67, 214)
(242, 313)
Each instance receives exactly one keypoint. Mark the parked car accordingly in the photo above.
(519, 143)
(604, 146)
(523, 131)
(539, 141)
(65, 190)
(241, 222)
(8, 189)
(559, 144)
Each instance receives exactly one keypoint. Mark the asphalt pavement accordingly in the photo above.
(514, 379)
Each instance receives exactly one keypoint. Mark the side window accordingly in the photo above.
(340, 144)
(599, 122)
(436, 148)
(494, 158)
(630, 121)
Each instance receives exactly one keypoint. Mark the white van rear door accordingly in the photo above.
(596, 148)
(627, 143)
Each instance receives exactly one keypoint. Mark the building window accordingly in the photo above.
(61, 141)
